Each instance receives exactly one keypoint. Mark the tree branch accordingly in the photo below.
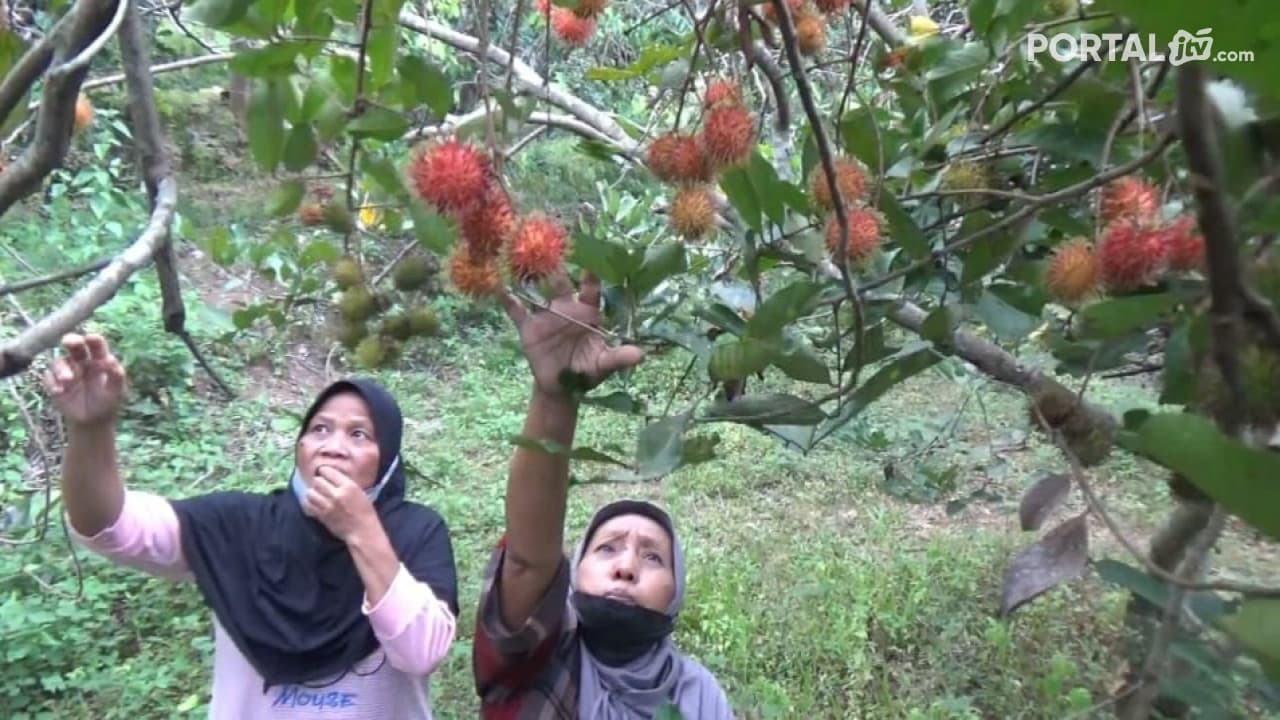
(1060, 87)
(75, 272)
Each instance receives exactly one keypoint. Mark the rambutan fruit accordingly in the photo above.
(831, 7)
(486, 225)
(311, 214)
(1128, 198)
(965, 175)
(395, 326)
(449, 174)
(1072, 274)
(411, 273)
(811, 32)
(864, 235)
(375, 351)
(722, 92)
(537, 247)
(1130, 255)
(589, 8)
(473, 276)
(678, 158)
(1183, 245)
(338, 218)
(346, 272)
(850, 178)
(351, 332)
(570, 28)
(771, 15)
(84, 114)
(423, 322)
(357, 304)
(727, 136)
(543, 7)
(692, 213)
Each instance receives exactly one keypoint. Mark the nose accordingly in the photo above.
(332, 446)
(624, 566)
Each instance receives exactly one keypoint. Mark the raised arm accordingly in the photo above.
(87, 385)
(538, 482)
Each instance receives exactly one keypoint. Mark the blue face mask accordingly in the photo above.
(300, 487)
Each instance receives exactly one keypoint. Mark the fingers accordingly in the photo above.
(97, 347)
(515, 309)
(589, 293)
(560, 284)
(619, 358)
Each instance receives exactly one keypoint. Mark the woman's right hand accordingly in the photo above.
(87, 383)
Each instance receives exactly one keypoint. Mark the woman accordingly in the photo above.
(334, 597)
(590, 638)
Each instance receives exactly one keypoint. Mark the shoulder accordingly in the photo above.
(696, 673)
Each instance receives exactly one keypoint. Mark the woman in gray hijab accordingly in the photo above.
(587, 638)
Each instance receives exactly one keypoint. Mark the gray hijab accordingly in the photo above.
(636, 690)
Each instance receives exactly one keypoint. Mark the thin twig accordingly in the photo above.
(545, 306)
(1058, 88)
(786, 26)
(75, 272)
(404, 251)
(86, 55)
(357, 107)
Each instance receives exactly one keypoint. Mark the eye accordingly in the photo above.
(360, 434)
(319, 427)
(654, 558)
(606, 547)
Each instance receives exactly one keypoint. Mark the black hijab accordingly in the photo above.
(284, 588)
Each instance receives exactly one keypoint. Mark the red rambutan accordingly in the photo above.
(537, 247)
(722, 92)
(472, 276)
(449, 174)
(850, 178)
(692, 213)
(1183, 244)
(1072, 274)
(678, 158)
(1128, 198)
(486, 225)
(811, 32)
(1130, 255)
(864, 235)
(570, 28)
(771, 15)
(831, 7)
(543, 7)
(728, 135)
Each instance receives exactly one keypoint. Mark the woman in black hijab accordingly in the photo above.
(332, 593)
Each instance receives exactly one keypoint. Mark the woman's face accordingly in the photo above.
(340, 435)
(629, 559)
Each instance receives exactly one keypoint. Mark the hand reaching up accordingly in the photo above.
(87, 383)
(553, 344)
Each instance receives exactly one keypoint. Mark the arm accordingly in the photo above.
(537, 491)
(415, 627)
(374, 559)
(91, 485)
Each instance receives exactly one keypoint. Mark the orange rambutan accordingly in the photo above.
(811, 32)
(864, 234)
(486, 225)
(589, 8)
(537, 247)
(770, 14)
(1183, 244)
(678, 158)
(1130, 255)
(84, 113)
(474, 276)
(543, 7)
(449, 174)
(570, 28)
(1072, 274)
(692, 213)
(727, 135)
(1128, 197)
(831, 7)
(311, 213)
(850, 178)
(722, 92)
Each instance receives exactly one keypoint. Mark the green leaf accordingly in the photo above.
(1240, 478)
(903, 228)
(606, 259)
(767, 186)
(11, 49)
(285, 198)
(318, 251)
(910, 361)
(939, 325)
(430, 85)
(660, 262)
(980, 14)
(1005, 320)
(1068, 141)
(301, 148)
(617, 401)
(668, 712)
(265, 118)
(658, 446)
(1257, 627)
(858, 132)
(433, 230)
(1120, 316)
(736, 184)
(782, 308)
(276, 60)
(1178, 378)
(766, 409)
(378, 123)
(736, 359)
(799, 362)
(383, 173)
(342, 71)
(991, 251)
(330, 120)
(383, 43)
(218, 13)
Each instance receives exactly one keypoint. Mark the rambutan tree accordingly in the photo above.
(829, 170)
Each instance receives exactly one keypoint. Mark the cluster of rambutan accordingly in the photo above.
(1135, 248)
(572, 25)
(691, 161)
(458, 180)
(809, 18)
(865, 223)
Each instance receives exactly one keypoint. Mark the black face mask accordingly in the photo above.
(616, 632)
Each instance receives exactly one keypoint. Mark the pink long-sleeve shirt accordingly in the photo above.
(414, 627)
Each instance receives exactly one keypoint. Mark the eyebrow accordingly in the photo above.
(359, 420)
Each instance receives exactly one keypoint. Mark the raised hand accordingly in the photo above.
(87, 383)
(553, 344)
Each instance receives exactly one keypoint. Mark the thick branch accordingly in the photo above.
(17, 353)
(23, 75)
(881, 23)
(86, 24)
(524, 76)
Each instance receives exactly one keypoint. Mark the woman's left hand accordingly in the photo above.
(339, 503)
